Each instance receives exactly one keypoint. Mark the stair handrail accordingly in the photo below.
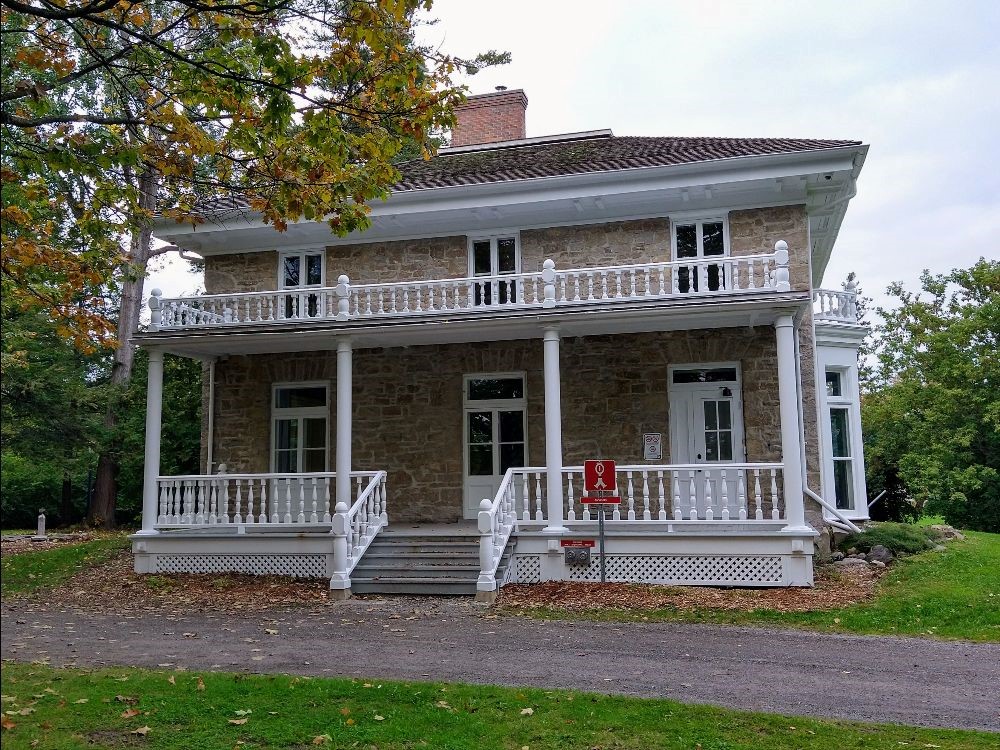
(355, 528)
(497, 521)
(845, 522)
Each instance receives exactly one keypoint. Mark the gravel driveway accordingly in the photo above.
(881, 679)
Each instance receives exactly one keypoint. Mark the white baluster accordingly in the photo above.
(262, 514)
(693, 496)
(288, 500)
(775, 513)
(590, 285)
(709, 508)
(326, 500)
(314, 515)
(662, 515)
(631, 496)
(741, 494)
(678, 513)
(161, 518)
(301, 517)
(724, 491)
(604, 284)
(758, 513)
(526, 508)
(383, 512)
(618, 285)
(571, 513)
(538, 496)
(188, 502)
(646, 515)
(238, 508)
(249, 516)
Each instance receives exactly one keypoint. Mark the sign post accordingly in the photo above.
(599, 486)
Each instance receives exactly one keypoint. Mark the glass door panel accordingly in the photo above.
(286, 446)
(481, 443)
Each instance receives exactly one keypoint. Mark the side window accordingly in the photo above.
(300, 271)
(495, 257)
(697, 242)
(840, 406)
(299, 414)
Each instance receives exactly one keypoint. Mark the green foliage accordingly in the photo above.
(29, 572)
(76, 708)
(931, 410)
(900, 538)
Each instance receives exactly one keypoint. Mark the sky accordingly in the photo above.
(911, 79)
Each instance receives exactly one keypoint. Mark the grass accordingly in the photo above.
(71, 708)
(17, 532)
(950, 594)
(29, 572)
(900, 538)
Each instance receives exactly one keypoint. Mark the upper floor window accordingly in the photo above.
(301, 269)
(495, 256)
(297, 271)
(841, 438)
(696, 241)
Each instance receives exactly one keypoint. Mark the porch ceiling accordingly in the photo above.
(464, 327)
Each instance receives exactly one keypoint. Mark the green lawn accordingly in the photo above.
(950, 594)
(69, 708)
(30, 571)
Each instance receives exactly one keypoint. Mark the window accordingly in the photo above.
(841, 438)
(301, 271)
(718, 429)
(695, 241)
(300, 428)
(495, 256)
(495, 424)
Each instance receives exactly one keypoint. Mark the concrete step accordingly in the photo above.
(414, 586)
(452, 548)
(405, 570)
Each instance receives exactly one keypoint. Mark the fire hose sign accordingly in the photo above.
(599, 476)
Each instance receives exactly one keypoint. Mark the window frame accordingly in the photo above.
(301, 254)
(700, 219)
(492, 237)
(302, 412)
(498, 404)
(848, 401)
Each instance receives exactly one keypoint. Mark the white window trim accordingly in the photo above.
(488, 405)
(849, 399)
(683, 219)
(494, 259)
(305, 411)
(302, 267)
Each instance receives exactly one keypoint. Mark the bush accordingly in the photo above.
(900, 538)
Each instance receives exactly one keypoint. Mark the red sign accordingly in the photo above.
(593, 500)
(577, 542)
(599, 476)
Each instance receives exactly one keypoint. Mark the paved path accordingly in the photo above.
(900, 680)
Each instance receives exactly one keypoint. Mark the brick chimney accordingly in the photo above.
(490, 118)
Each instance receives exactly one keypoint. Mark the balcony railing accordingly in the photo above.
(841, 307)
(549, 288)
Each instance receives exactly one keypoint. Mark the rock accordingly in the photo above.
(848, 562)
(944, 531)
(852, 551)
(837, 556)
(858, 556)
(938, 548)
(876, 563)
(881, 553)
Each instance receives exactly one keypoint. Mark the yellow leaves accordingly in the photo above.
(200, 685)
(322, 739)
(172, 680)
(142, 731)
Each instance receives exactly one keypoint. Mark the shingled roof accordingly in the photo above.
(599, 154)
(554, 158)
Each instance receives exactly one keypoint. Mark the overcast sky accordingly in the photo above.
(918, 81)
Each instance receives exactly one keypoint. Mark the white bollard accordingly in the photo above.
(40, 535)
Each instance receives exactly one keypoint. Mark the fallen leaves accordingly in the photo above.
(527, 711)
(833, 590)
(238, 721)
(201, 685)
(128, 713)
(322, 739)
(142, 731)
(7, 723)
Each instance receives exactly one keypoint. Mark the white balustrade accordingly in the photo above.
(743, 492)
(255, 499)
(547, 288)
(497, 520)
(841, 307)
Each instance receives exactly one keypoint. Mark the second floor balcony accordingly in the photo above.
(604, 287)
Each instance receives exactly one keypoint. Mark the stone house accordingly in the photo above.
(409, 408)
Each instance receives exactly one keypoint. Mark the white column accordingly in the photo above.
(344, 386)
(553, 435)
(791, 455)
(151, 466)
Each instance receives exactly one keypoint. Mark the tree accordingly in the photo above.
(932, 408)
(112, 112)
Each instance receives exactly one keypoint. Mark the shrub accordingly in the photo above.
(900, 538)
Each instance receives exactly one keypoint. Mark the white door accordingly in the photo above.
(495, 432)
(706, 427)
(495, 257)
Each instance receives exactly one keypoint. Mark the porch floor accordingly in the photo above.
(459, 528)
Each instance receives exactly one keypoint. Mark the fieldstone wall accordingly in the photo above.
(404, 260)
(408, 406)
(241, 272)
(755, 231)
(612, 243)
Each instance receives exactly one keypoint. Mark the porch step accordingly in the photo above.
(420, 564)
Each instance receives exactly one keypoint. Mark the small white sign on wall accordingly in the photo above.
(652, 446)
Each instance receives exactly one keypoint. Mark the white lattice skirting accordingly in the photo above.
(527, 569)
(723, 570)
(300, 566)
